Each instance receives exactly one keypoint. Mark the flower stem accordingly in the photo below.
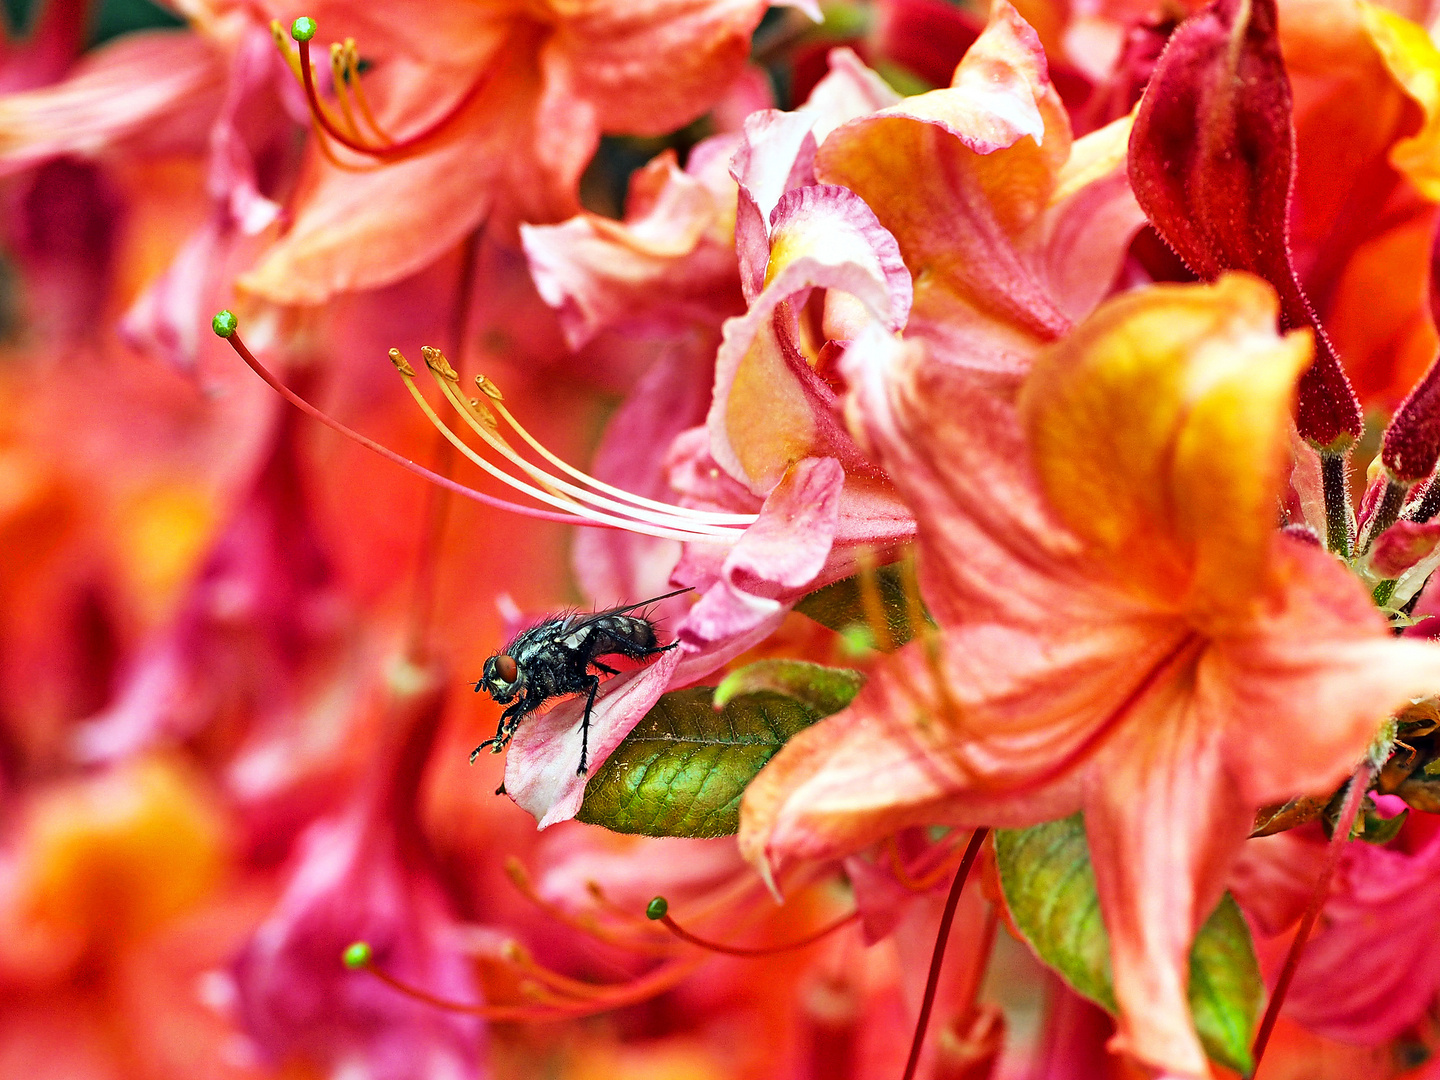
(1354, 796)
(1338, 537)
(947, 918)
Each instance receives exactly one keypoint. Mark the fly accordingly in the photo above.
(554, 659)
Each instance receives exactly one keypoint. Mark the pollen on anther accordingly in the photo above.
(401, 364)
(488, 388)
(436, 362)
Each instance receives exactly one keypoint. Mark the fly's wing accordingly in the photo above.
(595, 616)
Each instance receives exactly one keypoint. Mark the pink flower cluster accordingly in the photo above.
(993, 387)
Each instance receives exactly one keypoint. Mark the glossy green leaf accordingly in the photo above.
(683, 768)
(824, 690)
(1049, 887)
(840, 605)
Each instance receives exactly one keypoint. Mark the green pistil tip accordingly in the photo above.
(303, 28)
(657, 909)
(359, 955)
(224, 323)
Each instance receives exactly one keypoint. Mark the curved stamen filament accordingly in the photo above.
(231, 335)
(345, 75)
(588, 925)
(659, 910)
(926, 880)
(497, 403)
(556, 492)
(481, 419)
(496, 443)
(942, 937)
(548, 1006)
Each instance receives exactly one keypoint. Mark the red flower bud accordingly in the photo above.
(1211, 163)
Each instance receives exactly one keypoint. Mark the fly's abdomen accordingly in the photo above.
(625, 634)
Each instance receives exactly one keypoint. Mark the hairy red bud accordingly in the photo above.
(1211, 162)
(1412, 441)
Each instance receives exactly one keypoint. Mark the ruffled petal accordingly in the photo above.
(958, 175)
(670, 263)
(770, 408)
(778, 557)
(647, 66)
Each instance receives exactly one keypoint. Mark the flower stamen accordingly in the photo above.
(549, 1006)
(639, 515)
(659, 910)
(572, 505)
(345, 82)
(225, 325)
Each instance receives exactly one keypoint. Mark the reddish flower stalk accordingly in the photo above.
(1355, 795)
(942, 937)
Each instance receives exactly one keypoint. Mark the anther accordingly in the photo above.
(436, 362)
(401, 364)
(488, 388)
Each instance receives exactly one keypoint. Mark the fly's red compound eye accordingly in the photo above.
(506, 667)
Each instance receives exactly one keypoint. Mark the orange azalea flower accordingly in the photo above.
(494, 110)
(1122, 628)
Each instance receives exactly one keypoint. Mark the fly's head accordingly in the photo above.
(502, 679)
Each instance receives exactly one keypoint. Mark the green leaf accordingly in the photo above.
(824, 690)
(841, 605)
(1049, 887)
(683, 768)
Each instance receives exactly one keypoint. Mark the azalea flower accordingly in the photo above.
(1121, 627)
(487, 112)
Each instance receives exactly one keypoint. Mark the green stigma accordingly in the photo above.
(657, 909)
(303, 28)
(358, 955)
(224, 323)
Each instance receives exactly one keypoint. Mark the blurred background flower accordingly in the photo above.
(237, 650)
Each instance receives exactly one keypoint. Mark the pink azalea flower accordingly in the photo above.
(364, 875)
(504, 107)
(1121, 627)
(1368, 972)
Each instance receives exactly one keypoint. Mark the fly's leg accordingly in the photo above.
(503, 732)
(598, 666)
(594, 681)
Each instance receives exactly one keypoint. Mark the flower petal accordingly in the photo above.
(1414, 63)
(1163, 821)
(669, 264)
(776, 559)
(957, 175)
(155, 91)
(1177, 501)
(770, 408)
